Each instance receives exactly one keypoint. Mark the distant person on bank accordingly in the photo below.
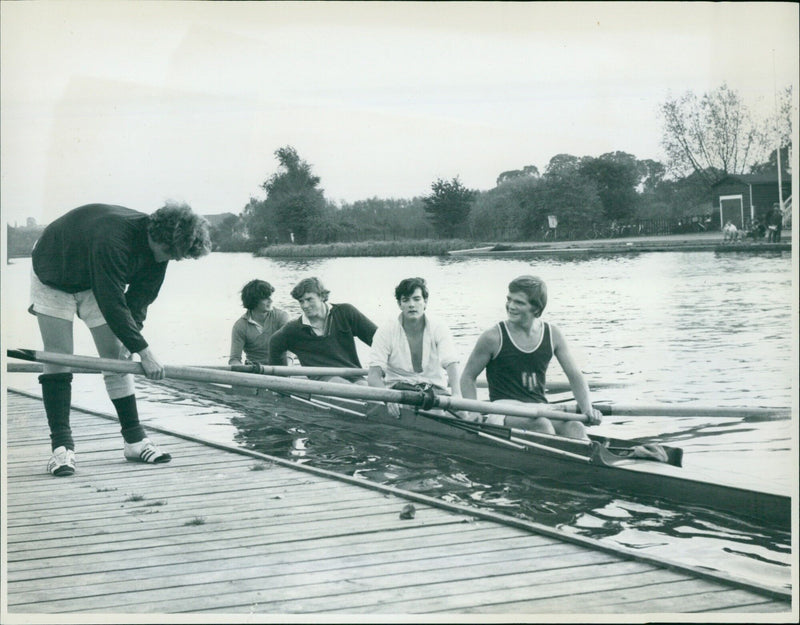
(324, 334)
(415, 351)
(81, 265)
(516, 353)
(730, 232)
(775, 224)
(252, 331)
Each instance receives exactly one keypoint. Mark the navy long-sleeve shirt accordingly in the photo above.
(337, 348)
(104, 248)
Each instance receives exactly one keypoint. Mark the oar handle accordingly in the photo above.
(301, 370)
(290, 385)
(515, 410)
(33, 367)
(280, 370)
(254, 380)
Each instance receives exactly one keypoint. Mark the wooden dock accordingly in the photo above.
(225, 530)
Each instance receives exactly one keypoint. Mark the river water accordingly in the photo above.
(667, 327)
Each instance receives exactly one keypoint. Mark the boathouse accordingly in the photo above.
(743, 198)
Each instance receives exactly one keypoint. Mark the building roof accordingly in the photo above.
(753, 179)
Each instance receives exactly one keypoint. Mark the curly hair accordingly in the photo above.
(533, 288)
(407, 287)
(183, 233)
(255, 291)
(310, 285)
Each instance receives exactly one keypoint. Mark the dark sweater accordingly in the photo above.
(336, 349)
(103, 248)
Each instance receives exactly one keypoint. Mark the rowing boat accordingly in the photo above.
(603, 461)
(606, 462)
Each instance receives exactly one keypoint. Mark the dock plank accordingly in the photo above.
(281, 540)
(257, 573)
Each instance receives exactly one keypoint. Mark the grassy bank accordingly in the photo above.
(423, 247)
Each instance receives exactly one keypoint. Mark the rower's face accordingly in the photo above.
(312, 305)
(518, 307)
(413, 306)
(264, 306)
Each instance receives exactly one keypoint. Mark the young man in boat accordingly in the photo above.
(415, 351)
(516, 353)
(324, 334)
(106, 265)
(252, 331)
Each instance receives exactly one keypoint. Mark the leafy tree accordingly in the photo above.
(678, 197)
(502, 212)
(651, 173)
(448, 206)
(229, 235)
(376, 218)
(781, 134)
(713, 133)
(562, 165)
(574, 201)
(519, 207)
(260, 222)
(20, 240)
(528, 170)
(292, 197)
(615, 176)
(770, 166)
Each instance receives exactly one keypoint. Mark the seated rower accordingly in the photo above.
(516, 353)
(252, 331)
(324, 334)
(415, 350)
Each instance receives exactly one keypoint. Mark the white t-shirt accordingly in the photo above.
(391, 352)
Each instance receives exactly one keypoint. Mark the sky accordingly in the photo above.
(136, 103)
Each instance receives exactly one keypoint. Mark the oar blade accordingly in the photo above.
(609, 456)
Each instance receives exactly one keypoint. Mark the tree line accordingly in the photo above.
(705, 138)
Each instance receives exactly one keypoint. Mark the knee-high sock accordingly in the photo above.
(128, 415)
(57, 397)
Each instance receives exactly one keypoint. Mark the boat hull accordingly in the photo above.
(627, 475)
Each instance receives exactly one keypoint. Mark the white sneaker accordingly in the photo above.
(145, 451)
(62, 462)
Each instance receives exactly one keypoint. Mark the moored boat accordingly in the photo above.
(613, 464)
(603, 461)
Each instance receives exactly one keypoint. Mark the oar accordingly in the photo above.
(344, 372)
(502, 435)
(351, 372)
(33, 367)
(688, 410)
(288, 385)
(297, 371)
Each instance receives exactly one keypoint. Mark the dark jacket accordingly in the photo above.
(103, 248)
(337, 348)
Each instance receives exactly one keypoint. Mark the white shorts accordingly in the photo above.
(46, 300)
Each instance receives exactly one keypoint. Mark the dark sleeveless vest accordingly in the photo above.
(518, 374)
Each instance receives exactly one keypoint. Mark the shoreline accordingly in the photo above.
(623, 246)
(695, 242)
